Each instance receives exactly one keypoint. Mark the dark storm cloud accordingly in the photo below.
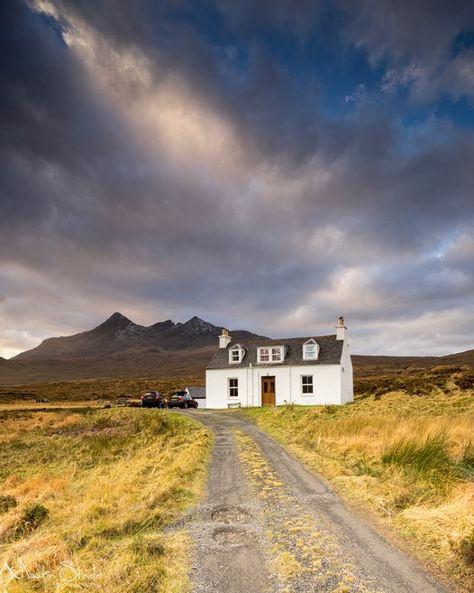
(426, 44)
(138, 22)
(53, 127)
(407, 29)
(154, 166)
(405, 196)
(254, 95)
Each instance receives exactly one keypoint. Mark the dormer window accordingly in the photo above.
(270, 354)
(310, 350)
(236, 354)
(276, 354)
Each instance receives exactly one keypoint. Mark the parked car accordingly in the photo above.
(153, 399)
(182, 399)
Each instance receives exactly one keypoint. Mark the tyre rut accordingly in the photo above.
(240, 561)
(228, 550)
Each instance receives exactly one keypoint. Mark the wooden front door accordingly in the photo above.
(268, 391)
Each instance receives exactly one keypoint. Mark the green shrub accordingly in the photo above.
(366, 467)
(7, 502)
(466, 548)
(466, 464)
(31, 518)
(428, 460)
(331, 409)
(468, 456)
(148, 546)
(465, 381)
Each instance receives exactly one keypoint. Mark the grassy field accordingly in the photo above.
(407, 459)
(91, 499)
(86, 493)
(94, 389)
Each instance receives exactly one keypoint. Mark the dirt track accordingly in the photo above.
(269, 525)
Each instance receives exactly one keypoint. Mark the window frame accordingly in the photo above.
(312, 342)
(231, 388)
(239, 350)
(276, 354)
(307, 384)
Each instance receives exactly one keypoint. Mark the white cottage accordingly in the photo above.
(306, 371)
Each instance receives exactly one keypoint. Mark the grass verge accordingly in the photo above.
(89, 498)
(409, 460)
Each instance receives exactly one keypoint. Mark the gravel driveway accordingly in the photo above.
(270, 525)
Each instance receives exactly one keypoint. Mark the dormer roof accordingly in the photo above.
(234, 349)
(330, 352)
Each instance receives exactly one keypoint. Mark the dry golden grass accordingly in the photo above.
(15, 424)
(406, 458)
(94, 389)
(94, 491)
(19, 406)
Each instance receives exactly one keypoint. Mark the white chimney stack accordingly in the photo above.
(340, 329)
(224, 338)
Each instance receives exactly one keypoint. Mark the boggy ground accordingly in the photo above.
(269, 525)
(91, 500)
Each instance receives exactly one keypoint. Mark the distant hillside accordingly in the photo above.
(366, 364)
(118, 347)
(190, 362)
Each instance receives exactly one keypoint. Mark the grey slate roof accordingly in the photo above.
(330, 351)
(197, 392)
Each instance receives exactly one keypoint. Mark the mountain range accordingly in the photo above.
(119, 348)
(119, 335)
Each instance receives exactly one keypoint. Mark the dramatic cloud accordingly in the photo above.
(254, 166)
(426, 44)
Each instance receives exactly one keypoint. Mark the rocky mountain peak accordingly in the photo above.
(162, 325)
(197, 326)
(121, 338)
(117, 321)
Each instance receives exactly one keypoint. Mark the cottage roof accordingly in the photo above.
(330, 352)
(197, 392)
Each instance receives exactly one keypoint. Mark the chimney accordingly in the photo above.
(224, 338)
(340, 329)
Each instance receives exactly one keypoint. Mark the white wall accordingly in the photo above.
(347, 387)
(216, 388)
(326, 380)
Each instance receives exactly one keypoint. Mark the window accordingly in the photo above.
(307, 384)
(276, 354)
(270, 354)
(233, 387)
(236, 354)
(310, 350)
